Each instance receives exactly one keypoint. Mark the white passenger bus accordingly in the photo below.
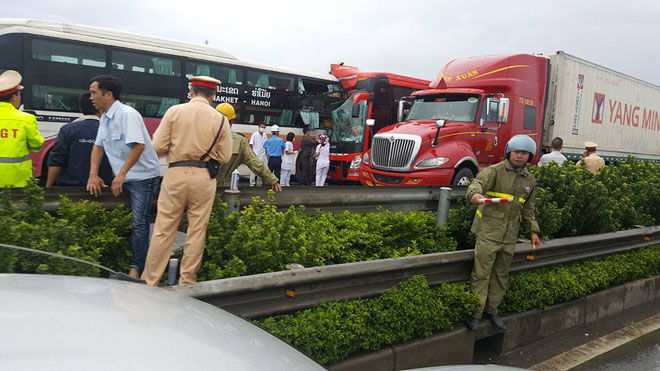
(57, 60)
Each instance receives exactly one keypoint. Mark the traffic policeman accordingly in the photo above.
(591, 160)
(242, 154)
(195, 138)
(497, 225)
(19, 134)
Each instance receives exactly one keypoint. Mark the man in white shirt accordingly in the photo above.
(257, 144)
(555, 155)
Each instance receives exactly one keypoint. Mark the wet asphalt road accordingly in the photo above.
(642, 354)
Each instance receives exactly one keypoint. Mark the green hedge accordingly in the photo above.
(84, 230)
(258, 239)
(262, 239)
(544, 287)
(333, 331)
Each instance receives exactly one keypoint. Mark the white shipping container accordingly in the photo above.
(588, 102)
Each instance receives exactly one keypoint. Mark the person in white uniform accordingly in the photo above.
(287, 161)
(322, 160)
(257, 144)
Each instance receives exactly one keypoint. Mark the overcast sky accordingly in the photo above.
(413, 38)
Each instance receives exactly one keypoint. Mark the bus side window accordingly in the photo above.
(266, 80)
(14, 43)
(383, 110)
(226, 75)
(64, 52)
(145, 63)
(311, 87)
(56, 98)
(269, 116)
(149, 106)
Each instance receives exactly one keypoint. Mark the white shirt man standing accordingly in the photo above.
(555, 155)
(257, 144)
(322, 160)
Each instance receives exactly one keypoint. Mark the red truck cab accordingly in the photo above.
(462, 123)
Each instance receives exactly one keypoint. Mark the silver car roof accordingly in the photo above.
(77, 323)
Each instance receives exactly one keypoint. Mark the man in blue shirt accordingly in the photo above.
(123, 137)
(274, 148)
(68, 161)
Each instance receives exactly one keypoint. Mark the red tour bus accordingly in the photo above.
(370, 95)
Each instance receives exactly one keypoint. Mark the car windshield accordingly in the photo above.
(348, 122)
(450, 107)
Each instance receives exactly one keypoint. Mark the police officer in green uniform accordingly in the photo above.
(497, 225)
(242, 154)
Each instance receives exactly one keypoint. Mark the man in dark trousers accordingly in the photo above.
(274, 149)
(305, 168)
(68, 161)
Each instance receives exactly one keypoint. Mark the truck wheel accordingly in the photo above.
(462, 177)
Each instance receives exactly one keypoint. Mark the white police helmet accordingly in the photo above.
(521, 142)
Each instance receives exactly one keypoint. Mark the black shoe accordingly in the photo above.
(472, 323)
(496, 320)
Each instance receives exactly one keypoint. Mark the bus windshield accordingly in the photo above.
(346, 127)
(450, 107)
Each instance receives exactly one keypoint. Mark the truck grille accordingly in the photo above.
(394, 151)
(388, 179)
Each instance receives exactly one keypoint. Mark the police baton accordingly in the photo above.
(498, 200)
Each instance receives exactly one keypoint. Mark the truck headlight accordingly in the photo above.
(357, 161)
(365, 158)
(432, 162)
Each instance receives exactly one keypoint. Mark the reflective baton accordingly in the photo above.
(494, 200)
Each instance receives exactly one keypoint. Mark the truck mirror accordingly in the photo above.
(402, 110)
(491, 110)
(439, 124)
(502, 110)
(370, 122)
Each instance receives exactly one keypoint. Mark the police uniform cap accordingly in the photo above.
(591, 146)
(205, 81)
(10, 82)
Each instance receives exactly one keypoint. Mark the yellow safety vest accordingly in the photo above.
(18, 136)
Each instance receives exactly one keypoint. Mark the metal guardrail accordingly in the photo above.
(331, 198)
(287, 291)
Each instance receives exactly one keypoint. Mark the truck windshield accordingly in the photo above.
(345, 127)
(450, 107)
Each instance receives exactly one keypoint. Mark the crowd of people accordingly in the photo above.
(311, 165)
(110, 146)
